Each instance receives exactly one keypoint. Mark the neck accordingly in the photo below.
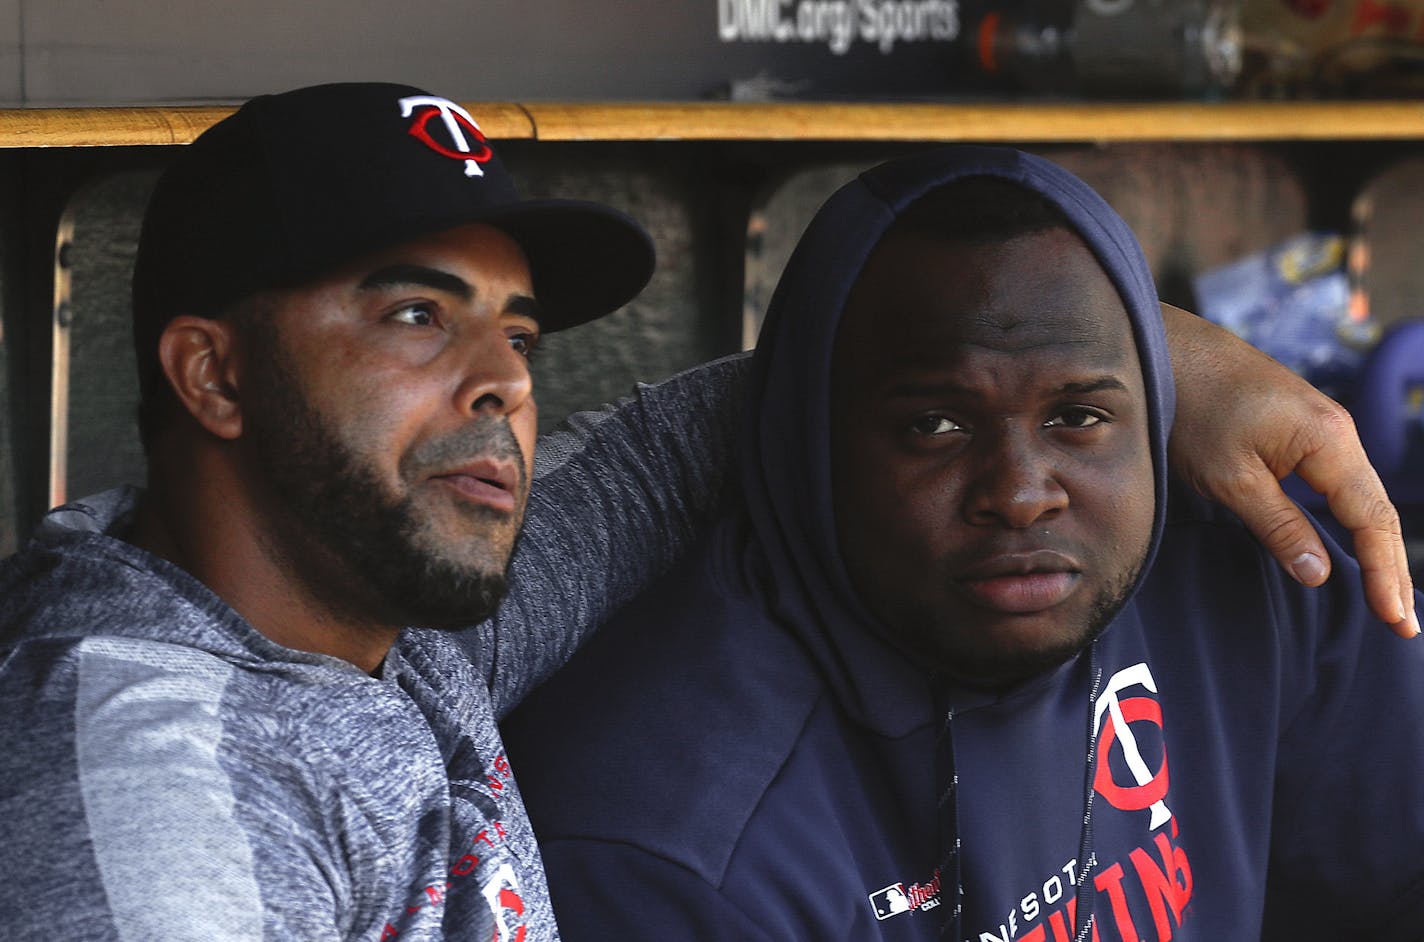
(206, 522)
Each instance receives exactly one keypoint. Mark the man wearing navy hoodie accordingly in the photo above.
(969, 666)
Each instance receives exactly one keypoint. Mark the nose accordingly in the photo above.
(495, 377)
(1014, 483)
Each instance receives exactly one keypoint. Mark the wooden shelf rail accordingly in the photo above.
(800, 121)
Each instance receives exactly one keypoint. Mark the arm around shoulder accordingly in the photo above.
(1244, 422)
(619, 495)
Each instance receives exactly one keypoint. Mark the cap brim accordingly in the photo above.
(585, 259)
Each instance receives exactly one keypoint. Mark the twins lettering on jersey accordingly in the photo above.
(1157, 874)
(499, 886)
(500, 890)
(1140, 896)
(459, 128)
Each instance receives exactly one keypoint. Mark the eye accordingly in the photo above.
(935, 425)
(524, 343)
(1076, 417)
(416, 315)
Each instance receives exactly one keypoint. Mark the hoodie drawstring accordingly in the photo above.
(951, 887)
(951, 891)
(1087, 859)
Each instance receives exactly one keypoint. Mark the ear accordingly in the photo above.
(198, 355)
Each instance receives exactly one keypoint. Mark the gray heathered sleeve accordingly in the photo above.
(159, 804)
(119, 815)
(618, 496)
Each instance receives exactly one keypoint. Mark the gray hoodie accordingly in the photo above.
(167, 772)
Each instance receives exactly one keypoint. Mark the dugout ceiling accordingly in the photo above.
(68, 52)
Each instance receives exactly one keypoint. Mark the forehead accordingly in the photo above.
(921, 298)
(474, 250)
(474, 258)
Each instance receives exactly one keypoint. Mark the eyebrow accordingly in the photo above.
(524, 306)
(400, 276)
(1092, 386)
(408, 275)
(914, 390)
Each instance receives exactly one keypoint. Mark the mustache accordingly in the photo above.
(485, 437)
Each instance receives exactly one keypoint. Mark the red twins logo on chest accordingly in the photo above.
(459, 129)
(1124, 726)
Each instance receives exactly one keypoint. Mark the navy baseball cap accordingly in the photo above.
(295, 184)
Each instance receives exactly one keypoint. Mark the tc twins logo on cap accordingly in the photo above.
(457, 121)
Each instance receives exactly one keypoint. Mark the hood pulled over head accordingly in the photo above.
(787, 450)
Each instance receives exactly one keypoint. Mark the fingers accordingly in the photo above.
(1360, 505)
(1276, 521)
(1339, 471)
(1235, 448)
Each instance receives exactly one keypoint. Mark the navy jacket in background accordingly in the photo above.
(742, 754)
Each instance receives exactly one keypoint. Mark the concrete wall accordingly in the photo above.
(1193, 207)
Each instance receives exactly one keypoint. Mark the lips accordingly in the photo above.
(486, 481)
(1021, 583)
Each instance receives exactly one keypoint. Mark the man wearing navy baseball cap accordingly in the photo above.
(228, 707)
(336, 294)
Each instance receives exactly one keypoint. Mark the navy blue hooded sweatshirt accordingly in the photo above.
(745, 754)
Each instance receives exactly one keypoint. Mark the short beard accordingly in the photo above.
(996, 672)
(369, 546)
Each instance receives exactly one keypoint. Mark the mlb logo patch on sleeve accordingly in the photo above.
(890, 901)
